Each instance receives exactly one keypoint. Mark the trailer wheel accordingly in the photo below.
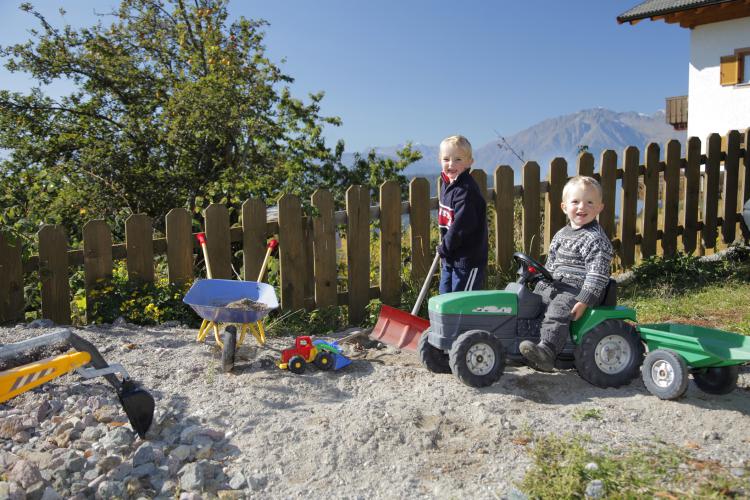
(717, 379)
(609, 354)
(324, 360)
(665, 374)
(434, 359)
(297, 365)
(477, 358)
(229, 339)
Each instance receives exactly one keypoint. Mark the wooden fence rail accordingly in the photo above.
(688, 204)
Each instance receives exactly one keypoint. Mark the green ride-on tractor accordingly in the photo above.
(472, 333)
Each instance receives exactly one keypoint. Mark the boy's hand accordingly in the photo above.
(578, 310)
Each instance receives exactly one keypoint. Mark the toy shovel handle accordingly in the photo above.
(426, 285)
(270, 248)
(201, 237)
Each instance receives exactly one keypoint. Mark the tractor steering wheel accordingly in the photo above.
(530, 270)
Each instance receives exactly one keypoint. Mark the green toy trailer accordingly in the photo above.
(472, 333)
(711, 356)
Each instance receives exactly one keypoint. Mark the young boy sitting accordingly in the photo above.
(462, 217)
(579, 258)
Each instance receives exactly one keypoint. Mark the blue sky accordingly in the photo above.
(419, 70)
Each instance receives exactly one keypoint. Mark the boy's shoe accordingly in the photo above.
(540, 356)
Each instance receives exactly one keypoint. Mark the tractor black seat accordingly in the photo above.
(610, 294)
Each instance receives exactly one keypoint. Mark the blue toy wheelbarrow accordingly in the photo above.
(210, 299)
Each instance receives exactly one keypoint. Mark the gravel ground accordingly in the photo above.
(383, 427)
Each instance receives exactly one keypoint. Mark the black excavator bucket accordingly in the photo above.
(138, 405)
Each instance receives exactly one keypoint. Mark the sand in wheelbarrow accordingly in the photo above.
(247, 305)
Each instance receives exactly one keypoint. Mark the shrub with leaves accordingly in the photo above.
(136, 302)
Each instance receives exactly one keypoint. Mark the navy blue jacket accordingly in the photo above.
(462, 217)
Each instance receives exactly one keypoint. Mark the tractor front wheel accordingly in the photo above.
(717, 379)
(324, 360)
(665, 374)
(477, 358)
(434, 359)
(609, 354)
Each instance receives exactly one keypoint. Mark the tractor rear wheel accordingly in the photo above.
(717, 379)
(609, 354)
(434, 359)
(477, 358)
(324, 360)
(665, 374)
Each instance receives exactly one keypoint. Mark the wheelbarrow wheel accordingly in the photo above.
(229, 339)
(717, 379)
(324, 360)
(665, 374)
(431, 357)
(477, 358)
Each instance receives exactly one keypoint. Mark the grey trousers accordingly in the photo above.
(559, 298)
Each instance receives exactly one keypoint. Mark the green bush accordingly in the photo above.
(659, 276)
(137, 302)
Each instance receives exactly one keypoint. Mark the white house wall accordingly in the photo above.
(711, 107)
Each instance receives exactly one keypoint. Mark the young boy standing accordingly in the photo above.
(462, 217)
(579, 258)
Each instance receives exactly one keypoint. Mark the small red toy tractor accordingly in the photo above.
(324, 355)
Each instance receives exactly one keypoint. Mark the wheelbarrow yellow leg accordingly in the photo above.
(259, 332)
(217, 336)
(203, 331)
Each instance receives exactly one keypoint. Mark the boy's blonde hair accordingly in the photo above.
(458, 141)
(582, 180)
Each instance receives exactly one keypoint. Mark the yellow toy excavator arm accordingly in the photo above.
(23, 378)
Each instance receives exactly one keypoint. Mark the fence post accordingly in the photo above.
(731, 177)
(11, 280)
(629, 205)
(711, 193)
(671, 203)
(419, 224)
(650, 201)
(504, 218)
(253, 238)
(97, 260)
(358, 251)
(390, 243)
(179, 228)
(139, 244)
(586, 164)
(291, 256)
(531, 209)
(692, 189)
(554, 217)
(324, 250)
(608, 181)
(53, 273)
(218, 241)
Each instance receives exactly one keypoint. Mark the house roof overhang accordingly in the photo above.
(688, 13)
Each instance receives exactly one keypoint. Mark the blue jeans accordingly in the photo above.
(455, 279)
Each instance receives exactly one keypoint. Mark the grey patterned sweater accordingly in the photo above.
(582, 258)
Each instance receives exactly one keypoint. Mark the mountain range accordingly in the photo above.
(599, 129)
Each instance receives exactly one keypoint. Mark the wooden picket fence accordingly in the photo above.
(697, 196)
